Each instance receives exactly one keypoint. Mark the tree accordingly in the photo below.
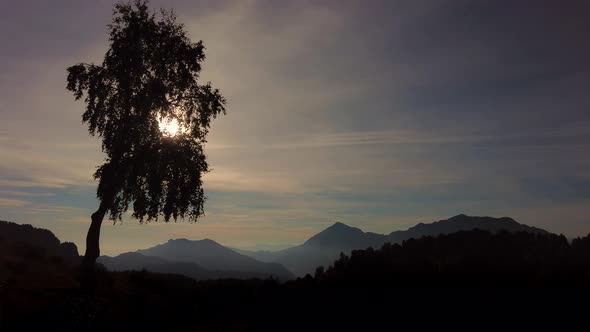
(149, 74)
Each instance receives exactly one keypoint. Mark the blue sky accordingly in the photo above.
(378, 114)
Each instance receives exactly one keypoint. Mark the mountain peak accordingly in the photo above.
(335, 235)
(340, 225)
(179, 240)
(211, 255)
(184, 240)
(459, 216)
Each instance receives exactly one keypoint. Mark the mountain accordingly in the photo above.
(204, 259)
(39, 238)
(207, 259)
(463, 223)
(130, 261)
(322, 248)
(325, 247)
(341, 236)
(133, 261)
(261, 255)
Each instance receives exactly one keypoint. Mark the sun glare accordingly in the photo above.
(169, 127)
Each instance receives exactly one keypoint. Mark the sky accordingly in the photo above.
(377, 114)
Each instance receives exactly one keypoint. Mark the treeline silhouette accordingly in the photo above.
(451, 278)
(468, 259)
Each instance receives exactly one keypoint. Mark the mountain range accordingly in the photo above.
(203, 259)
(325, 247)
(207, 259)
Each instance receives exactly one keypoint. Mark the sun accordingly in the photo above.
(169, 127)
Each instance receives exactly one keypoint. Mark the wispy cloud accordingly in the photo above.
(24, 194)
(45, 210)
(379, 116)
(12, 202)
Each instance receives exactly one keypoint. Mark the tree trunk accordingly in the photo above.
(88, 276)
(109, 188)
(93, 236)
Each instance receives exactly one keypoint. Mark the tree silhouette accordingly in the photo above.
(149, 74)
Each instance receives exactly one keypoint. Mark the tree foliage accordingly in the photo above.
(149, 74)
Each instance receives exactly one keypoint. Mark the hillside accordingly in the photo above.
(462, 223)
(34, 258)
(325, 247)
(464, 259)
(213, 257)
(41, 238)
(134, 261)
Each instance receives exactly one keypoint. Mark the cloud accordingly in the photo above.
(24, 194)
(47, 164)
(379, 116)
(57, 210)
(12, 202)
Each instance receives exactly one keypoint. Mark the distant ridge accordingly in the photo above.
(464, 222)
(133, 261)
(199, 259)
(206, 259)
(324, 247)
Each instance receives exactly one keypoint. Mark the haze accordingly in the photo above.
(376, 114)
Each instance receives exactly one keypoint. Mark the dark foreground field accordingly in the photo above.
(494, 279)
